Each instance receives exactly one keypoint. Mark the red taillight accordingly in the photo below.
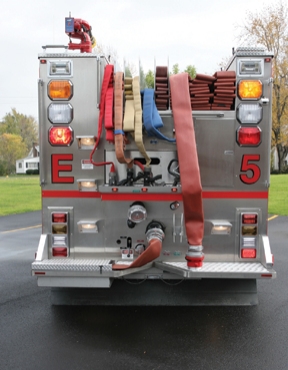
(249, 136)
(248, 253)
(59, 217)
(59, 252)
(62, 136)
(249, 219)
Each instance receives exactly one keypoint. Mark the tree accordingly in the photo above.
(19, 124)
(269, 28)
(149, 79)
(191, 70)
(175, 69)
(12, 148)
(107, 50)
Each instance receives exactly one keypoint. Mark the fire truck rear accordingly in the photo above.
(164, 188)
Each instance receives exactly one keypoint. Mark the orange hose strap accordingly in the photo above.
(118, 121)
(151, 253)
(189, 167)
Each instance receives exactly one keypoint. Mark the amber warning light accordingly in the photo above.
(60, 90)
(250, 89)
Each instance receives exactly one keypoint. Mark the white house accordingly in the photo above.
(31, 162)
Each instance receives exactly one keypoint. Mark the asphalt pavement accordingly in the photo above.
(36, 335)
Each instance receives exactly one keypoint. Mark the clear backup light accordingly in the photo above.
(249, 136)
(60, 136)
(249, 242)
(249, 113)
(59, 241)
(60, 113)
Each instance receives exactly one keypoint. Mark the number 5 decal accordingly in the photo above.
(248, 165)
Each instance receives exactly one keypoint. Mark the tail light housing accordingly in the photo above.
(60, 232)
(249, 235)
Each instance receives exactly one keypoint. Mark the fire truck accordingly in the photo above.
(152, 196)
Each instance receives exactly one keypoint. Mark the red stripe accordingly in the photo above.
(152, 196)
(69, 194)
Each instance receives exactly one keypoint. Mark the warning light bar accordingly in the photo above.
(250, 89)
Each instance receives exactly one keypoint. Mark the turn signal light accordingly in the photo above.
(249, 136)
(250, 89)
(59, 229)
(248, 253)
(60, 90)
(249, 230)
(60, 136)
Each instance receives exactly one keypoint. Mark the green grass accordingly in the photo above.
(278, 195)
(19, 194)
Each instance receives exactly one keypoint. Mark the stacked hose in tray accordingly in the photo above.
(201, 91)
(161, 88)
(224, 90)
(215, 92)
(207, 92)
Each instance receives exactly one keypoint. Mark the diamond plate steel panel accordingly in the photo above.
(221, 267)
(72, 265)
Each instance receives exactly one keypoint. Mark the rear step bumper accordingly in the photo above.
(103, 268)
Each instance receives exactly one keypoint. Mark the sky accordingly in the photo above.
(156, 32)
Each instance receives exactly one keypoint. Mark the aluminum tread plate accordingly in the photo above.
(61, 264)
(223, 267)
